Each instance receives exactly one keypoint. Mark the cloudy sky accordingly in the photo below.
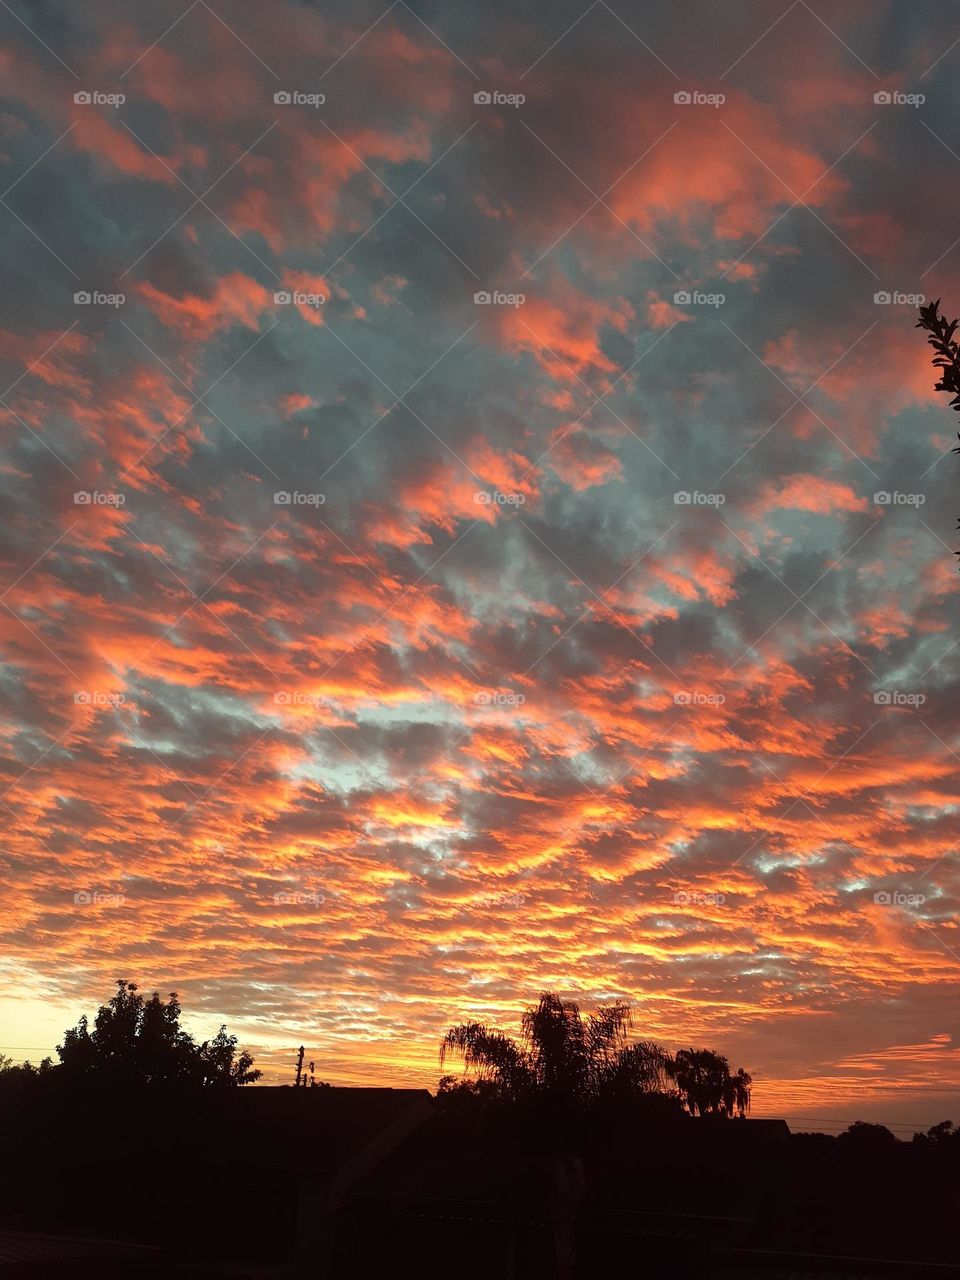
(489, 529)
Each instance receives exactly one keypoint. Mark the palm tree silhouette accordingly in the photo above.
(706, 1086)
(561, 1057)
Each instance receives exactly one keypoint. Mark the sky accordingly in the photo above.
(477, 520)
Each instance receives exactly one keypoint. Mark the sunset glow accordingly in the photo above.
(465, 548)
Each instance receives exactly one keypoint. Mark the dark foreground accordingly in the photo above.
(347, 1184)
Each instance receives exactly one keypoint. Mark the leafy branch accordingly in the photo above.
(947, 358)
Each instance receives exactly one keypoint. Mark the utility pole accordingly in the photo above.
(299, 1066)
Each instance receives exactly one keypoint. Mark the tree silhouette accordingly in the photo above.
(706, 1086)
(736, 1095)
(947, 358)
(220, 1067)
(15, 1073)
(571, 1062)
(138, 1040)
(867, 1137)
(704, 1082)
(561, 1058)
(944, 1136)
